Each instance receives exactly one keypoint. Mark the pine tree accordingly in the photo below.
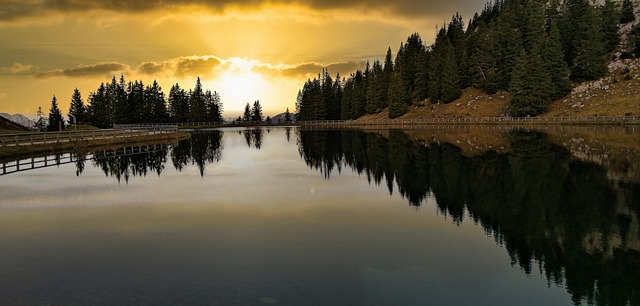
(336, 105)
(529, 86)
(627, 15)
(287, 116)
(41, 123)
(634, 40)
(256, 112)
(77, 110)
(214, 106)
(508, 45)
(450, 83)
(346, 105)
(457, 37)
(582, 41)
(157, 108)
(387, 73)
(246, 116)
(554, 63)
(375, 88)
(443, 73)
(139, 110)
(609, 18)
(197, 105)
(123, 112)
(98, 109)
(178, 104)
(398, 96)
(56, 122)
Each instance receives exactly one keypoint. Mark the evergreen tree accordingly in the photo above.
(246, 116)
(287, 116)
(77, 110)
(554, 63)
(609, 18)
(98, 109)
(582, 41)
(387, 73)
(214, 106)
(627, 15)
(157, 108)
(256, 111)
(483, 62)
(375, 88)
(359, 98)
(508, 45)
(346, 105)
(138, 108)
(443, 71)
(197, 104)
(41, 123)
(634, 40)
(398, 96)
(56, 122)
(457, 37)
(123, 112)
(529, 86)
(178, 104)
(335, 112)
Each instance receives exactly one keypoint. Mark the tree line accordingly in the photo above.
(121, 102)
(533, 49)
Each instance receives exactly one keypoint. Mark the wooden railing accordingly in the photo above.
(400, 122)
(22, 139)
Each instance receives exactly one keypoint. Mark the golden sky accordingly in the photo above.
(245, 50)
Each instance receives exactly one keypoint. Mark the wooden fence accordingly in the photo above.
(596, 120)
(23, 139)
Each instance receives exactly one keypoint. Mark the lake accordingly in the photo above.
(296, 216)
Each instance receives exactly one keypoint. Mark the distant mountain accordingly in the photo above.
(279, 118)
(19, 119)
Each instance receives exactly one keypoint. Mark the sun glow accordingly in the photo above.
(239, 85)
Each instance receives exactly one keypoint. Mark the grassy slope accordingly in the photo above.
(617, 94)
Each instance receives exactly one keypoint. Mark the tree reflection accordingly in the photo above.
(131, 161)
(253, 137)
(545, 207)
(200, 149)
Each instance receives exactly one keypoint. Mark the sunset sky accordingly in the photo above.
(245, 50)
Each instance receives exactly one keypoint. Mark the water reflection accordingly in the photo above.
(201, 148)
(548, 208)
(261, 228)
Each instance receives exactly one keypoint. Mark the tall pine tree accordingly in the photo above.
(77, 110)
(56, 122)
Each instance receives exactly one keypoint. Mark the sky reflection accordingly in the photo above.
(258, 227)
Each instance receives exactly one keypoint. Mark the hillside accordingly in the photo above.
(8, 125)
(617, 94)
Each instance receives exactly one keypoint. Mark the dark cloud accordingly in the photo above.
(13, 9)
(182, 66)
(310, 69)
(86, 70)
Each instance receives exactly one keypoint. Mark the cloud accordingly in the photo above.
(182, 66)
(15, 9)
(98, 69)
(306, 70)
(19, 68)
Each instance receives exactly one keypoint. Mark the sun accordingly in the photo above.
(239, 85)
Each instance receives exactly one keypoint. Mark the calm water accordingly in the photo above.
(302, 217)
